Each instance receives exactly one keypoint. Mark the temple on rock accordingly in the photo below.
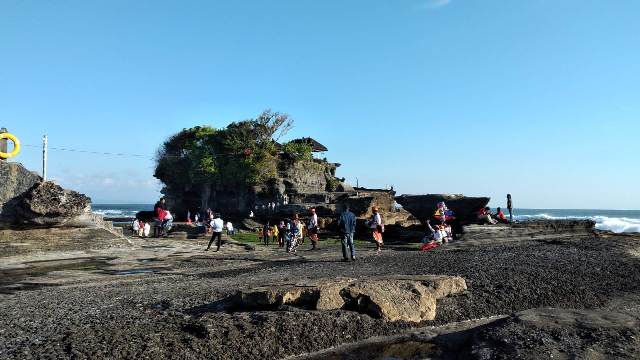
(300, 184)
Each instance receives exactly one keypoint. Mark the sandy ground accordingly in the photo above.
(159, 298)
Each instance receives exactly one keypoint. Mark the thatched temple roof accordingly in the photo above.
(315, 145)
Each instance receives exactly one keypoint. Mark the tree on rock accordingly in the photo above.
(243, 154)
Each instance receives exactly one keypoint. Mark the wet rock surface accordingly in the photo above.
(175, 313)
(559, 333)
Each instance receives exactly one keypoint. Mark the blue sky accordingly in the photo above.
(538, 98)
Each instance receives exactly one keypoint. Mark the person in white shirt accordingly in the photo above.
(230, 230)
(136, 227)
(377, 228)
(313, 229)
(217, 224)
(146, 230)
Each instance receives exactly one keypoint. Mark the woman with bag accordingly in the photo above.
(377, 228)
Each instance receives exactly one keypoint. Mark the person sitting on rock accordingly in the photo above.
(501, 217)
(135, 227)
(230, 230)
(434, 235)
(167, 222)
(484, 216)
(146, 229)
(447, 232)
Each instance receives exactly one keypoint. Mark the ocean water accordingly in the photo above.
(619, 221)
(120, 210)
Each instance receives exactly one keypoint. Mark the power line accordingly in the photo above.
(87, 151)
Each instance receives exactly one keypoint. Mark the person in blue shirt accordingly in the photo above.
(347, 226)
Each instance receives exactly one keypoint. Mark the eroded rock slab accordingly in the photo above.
(394, 298)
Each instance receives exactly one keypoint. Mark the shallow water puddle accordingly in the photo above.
(25, 278)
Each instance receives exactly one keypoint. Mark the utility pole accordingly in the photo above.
(45, 141)
(3, 143)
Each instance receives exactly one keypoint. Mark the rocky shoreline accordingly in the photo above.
(73, 286)
(164, 299)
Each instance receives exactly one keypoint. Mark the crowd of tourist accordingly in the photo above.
(442, 233)
(289, 234)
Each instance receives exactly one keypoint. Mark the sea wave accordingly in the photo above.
(115, 213)
(614, 224)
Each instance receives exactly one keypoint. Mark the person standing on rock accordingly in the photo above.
(313, 229)
(217, 226)
(377, 228)
(266, 233)
(160, 211)
(282, 229)
(347, 226)
(274, 233)
(510, 207)
(295, 234)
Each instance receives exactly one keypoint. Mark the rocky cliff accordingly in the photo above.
(15, 180)
(26, 202)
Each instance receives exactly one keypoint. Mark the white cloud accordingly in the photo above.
(434, 4)
(108, 181)
(127, 186)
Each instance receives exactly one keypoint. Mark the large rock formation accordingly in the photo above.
(48, 204)
(394, 298)
(424, 206)
(15, 180)
(26, 202)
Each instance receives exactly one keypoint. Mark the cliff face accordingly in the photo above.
(299, 181)
(307, 176)
(26, 203)
(15, 181)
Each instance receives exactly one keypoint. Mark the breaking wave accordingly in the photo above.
(119, 210)
(614, 224)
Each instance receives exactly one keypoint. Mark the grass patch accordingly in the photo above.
(249, 237)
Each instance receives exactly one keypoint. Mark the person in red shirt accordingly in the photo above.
(160, 211)
(484, 216)
(500, 216)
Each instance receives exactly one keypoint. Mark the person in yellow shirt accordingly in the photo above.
(274, 233)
